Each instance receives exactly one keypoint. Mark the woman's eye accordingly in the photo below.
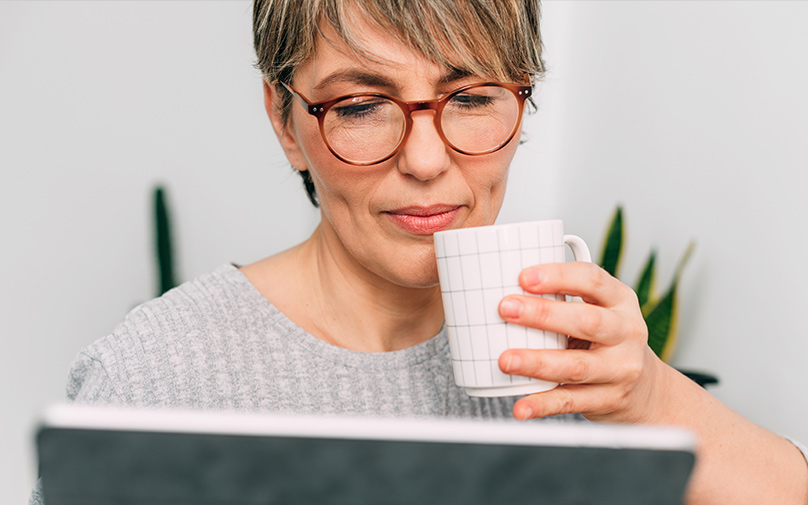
(471, 101)
(358, 110)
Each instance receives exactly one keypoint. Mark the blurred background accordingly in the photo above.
(692, 115)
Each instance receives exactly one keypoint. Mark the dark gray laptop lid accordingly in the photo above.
(103, 456)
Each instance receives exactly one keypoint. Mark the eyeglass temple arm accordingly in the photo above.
(302, 101)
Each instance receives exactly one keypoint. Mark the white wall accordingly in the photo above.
(98, 101)
(692, 114)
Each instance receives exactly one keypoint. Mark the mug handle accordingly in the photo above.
(579, 249)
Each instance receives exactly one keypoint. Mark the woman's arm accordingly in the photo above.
(610, 374)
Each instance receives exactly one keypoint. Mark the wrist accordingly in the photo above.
(659, 390)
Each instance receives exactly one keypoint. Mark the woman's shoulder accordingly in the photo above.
(207, 303)
(213, 295)
(168, 343)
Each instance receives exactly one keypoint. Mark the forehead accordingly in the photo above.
(375, 58)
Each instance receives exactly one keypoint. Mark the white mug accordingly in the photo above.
(477, 268)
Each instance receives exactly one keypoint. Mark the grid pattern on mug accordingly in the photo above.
(474, 280)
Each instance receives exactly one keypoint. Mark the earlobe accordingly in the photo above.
(287, 138)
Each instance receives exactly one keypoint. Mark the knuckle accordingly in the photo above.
(632, 372)
(641, 330)
(579, 371)
(592, 323)
(596, 276)
(538, 312)
(615, 404)
(566, 402)
(631, 297)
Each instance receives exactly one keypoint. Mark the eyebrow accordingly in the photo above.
(455, 74)
(356, 76)
(364, 77)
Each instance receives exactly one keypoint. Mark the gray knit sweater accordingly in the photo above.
(217, 343)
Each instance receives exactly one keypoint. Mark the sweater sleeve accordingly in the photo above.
(36, 494)
(88, 382)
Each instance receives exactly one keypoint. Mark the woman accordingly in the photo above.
(350, 321)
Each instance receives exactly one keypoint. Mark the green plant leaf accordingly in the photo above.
(645, 286)
(691, 246)
(660, 321)
(660, 314)
(163, 242)
(610, 259)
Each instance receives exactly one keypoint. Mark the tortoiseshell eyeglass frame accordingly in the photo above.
(320, 109)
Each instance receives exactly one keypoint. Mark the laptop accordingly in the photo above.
(113, 456)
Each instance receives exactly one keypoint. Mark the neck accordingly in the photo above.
(351, 307)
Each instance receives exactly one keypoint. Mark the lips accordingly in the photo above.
(424, 220)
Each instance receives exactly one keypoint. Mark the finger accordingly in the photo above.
(564, 366)
(565, 399)
(587, 280)
(580, 320)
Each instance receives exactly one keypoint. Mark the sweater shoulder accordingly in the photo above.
(205, 305)
(167, 347)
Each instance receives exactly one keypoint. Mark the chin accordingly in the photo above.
(425, 281)
(418, 272)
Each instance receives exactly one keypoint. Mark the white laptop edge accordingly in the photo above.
(551, 433)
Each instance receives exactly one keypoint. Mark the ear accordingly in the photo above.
(287, 138)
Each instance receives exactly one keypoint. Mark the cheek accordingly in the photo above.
(343, 187)
(499, 174)
(498, 184)
(488, 182)
(333, 179)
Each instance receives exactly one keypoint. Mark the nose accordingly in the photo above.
(424, 155)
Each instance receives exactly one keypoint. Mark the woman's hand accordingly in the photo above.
(608, 373)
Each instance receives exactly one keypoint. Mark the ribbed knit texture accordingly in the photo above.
(216, 343)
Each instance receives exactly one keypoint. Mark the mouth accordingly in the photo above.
(424, 220)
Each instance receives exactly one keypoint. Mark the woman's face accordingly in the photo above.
(378, 220)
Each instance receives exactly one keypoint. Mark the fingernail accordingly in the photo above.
(510, 308)
(512, 362)
(532, 277)
(527, 413)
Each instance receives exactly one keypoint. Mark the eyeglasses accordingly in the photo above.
(369, 128)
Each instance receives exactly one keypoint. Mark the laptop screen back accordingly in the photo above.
(104, 457)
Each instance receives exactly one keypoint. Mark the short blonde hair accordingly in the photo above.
(494, 38)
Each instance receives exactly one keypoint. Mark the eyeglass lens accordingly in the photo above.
(364, 129)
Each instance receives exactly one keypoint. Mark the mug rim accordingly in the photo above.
(501, 226)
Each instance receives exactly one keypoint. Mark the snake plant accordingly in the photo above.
(660, 311)
(164, 250)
